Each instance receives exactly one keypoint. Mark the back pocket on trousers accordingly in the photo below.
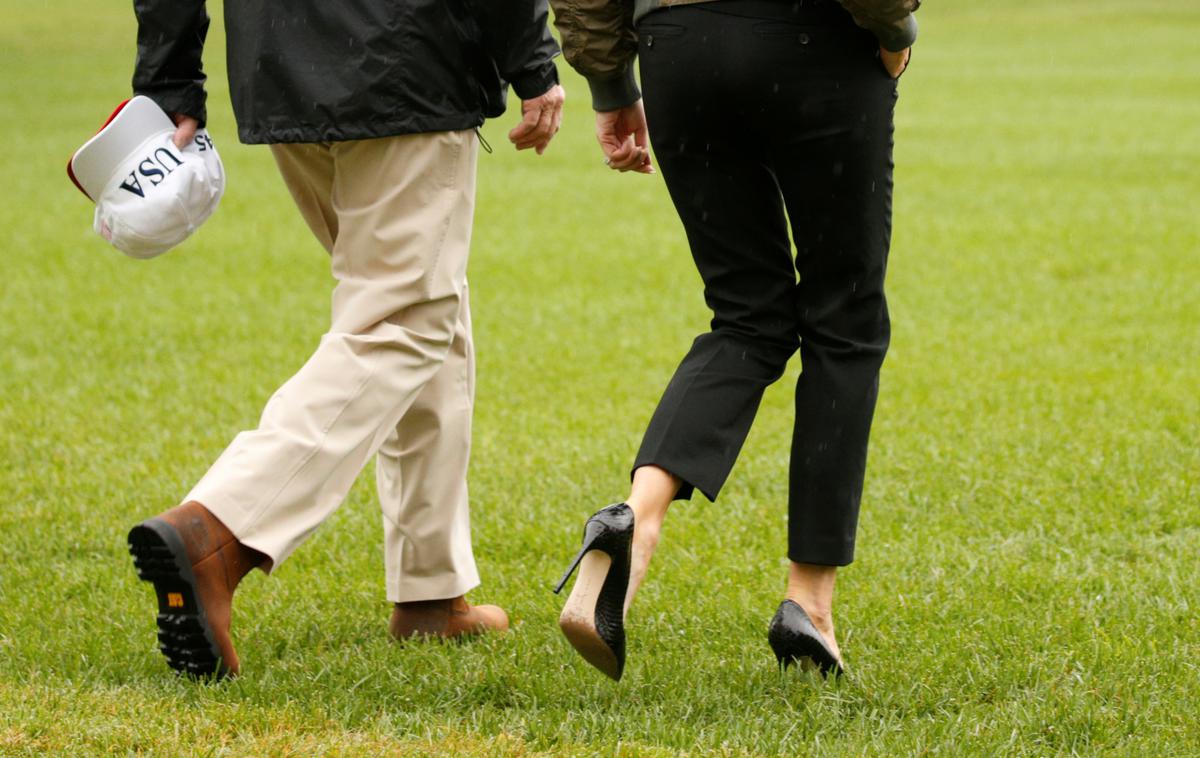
(653, 33)
(777, 31)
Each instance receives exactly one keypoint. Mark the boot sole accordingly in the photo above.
(184, 635)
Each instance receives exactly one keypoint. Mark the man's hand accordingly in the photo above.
(185, 129)
(895, 63)
(540, 119)
(623, 138)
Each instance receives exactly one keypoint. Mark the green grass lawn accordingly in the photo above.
(1027, 580)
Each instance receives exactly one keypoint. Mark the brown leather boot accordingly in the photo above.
(447, 619)
(194, 563)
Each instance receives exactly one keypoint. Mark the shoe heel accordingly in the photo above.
(591, 534)
(781, 657)
(570, 569)
(593, 619)
(795, 640)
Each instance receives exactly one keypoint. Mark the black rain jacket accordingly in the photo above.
(349, 69)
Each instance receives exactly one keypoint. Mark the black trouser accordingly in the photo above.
(763, 112)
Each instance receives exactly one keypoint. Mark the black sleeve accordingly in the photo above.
(517, 38)
(169, 44)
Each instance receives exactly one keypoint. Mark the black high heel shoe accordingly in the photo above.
(793, 637)
(593, 619)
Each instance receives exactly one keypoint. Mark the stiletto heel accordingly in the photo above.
(593, 619)
(570, 570)
(794, 638)
(591, 532)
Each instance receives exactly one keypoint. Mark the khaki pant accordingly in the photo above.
(393, 377)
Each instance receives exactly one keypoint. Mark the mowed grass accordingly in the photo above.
(1027, 580)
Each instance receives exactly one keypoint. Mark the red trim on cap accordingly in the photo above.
(71, 174)
(71, 169)
(114, 114)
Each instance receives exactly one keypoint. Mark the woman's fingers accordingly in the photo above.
(628, 156)
(895, 63)
(623, 138)
(642, 138)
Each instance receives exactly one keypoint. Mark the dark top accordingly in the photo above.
(601, 44)
(359, 69)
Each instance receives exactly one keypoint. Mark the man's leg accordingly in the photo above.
(402, 208)
(307, 170)
(421, 473)
(396, 215)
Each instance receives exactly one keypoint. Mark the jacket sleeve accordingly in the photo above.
(599, 42)
(517, 38)
(891, 21)
(169, 44)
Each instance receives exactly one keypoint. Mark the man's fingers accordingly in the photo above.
(542, 134)
(539, 135)
(529, 122)
(540, 118)
(185, 130)
(524, 133)
(555, 125)
(554, 108)
(558, 117)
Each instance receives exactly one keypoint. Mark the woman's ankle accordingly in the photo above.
(811, 587)
(820, 614)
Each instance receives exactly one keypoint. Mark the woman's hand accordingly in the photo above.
(895, 63)
(623, 138)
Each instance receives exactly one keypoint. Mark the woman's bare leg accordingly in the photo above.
(651, 494)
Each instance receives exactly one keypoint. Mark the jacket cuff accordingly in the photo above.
(616, 92)
(897, 35)
(531, 84)
(189, 101)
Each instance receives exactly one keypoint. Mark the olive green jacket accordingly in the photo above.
(599, 41)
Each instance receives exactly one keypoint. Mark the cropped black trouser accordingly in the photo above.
(763, 113)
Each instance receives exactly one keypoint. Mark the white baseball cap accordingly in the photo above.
(149, 194)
